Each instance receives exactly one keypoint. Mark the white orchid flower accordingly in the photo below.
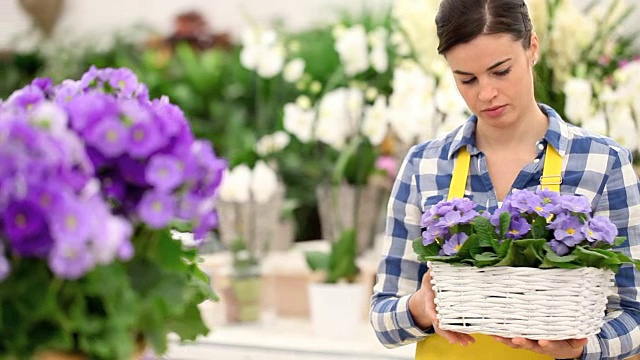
(351, 45)
(235, 185)
(579, 97)
(272, 143)
(299, 122)
(375, 124)
(379, 58)
(264, 182)
(294, 70)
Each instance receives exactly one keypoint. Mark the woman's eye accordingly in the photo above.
(467, 81)
(503, 72)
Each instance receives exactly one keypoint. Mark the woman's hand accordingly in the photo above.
(558, 349)
(423, 310)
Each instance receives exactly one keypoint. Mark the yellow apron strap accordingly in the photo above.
(551, 178)
(436, 347)
(460, 172)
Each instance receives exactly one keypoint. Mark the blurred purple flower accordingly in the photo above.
(109, 136)
(26, 226)
(156, 209)
(164, 172)
(144, 139)
(26, 97)
(559, 247)
(124, 80)
(70, 259)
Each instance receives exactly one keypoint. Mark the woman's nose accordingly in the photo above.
(487, 92)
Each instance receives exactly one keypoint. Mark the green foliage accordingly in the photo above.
(338, 264)
(104, 314)
(483, 248)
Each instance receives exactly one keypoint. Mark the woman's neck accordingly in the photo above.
(522, 134)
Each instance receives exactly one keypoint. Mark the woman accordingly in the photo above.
(492, 50)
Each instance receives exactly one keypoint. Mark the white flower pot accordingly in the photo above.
(337, 309)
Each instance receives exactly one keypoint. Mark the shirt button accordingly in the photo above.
(535, 161)
(541, 146)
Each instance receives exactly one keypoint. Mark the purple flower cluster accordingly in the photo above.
(85, 162)
(567, 221)
(444, 224)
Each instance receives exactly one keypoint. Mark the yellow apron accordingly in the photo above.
(436, 347)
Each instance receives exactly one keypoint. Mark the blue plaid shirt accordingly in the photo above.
(593, 165)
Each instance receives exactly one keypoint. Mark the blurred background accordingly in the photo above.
(314, 103)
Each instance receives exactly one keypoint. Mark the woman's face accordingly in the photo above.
(494, 76)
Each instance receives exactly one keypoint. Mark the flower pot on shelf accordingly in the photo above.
(340, 205)
(260, 223)
(242, 296)
(336, 309)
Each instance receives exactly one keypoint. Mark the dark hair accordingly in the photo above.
(460, 21)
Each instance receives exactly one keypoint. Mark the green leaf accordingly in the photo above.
(317, 261)
(539, 228)
(430, 250)
(596, 258)
(505, 223)
(504, 248)
(190, 324)
(342, 260)
(470, 247)
(484, 230)
(525, 252)
(618, 240)
(486, 259)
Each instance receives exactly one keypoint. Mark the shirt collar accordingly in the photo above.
(556, 134)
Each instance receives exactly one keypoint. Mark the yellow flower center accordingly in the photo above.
(71, 222)
(21, 221)
(457, 248)
(112, 136)
(138, 135)
(45, 200)
(157, 206)
(571, 231)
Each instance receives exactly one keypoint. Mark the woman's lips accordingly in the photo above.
(495, 111)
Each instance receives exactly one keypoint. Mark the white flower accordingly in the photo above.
(622, 127)
(264, 182)
(293, 70)
(447, 97)
(334, 124)
(597, 123)
(420, 33)
(411, 110)
(272, 61)
(235, 185)
(262, 52)
(270, 144)
(299, 122)
(351, 45)
(379, 58)
(375, 123)
(564, 51)
(303, 102)
(579, 96)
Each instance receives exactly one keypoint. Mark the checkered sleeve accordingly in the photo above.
(399, 272)
(620, 201)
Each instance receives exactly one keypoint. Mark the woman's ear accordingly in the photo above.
(534, 49)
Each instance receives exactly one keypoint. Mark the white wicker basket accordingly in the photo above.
(552, 304)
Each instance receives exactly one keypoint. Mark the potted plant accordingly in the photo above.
(94, 175)
(336, 296)
(540, 247)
